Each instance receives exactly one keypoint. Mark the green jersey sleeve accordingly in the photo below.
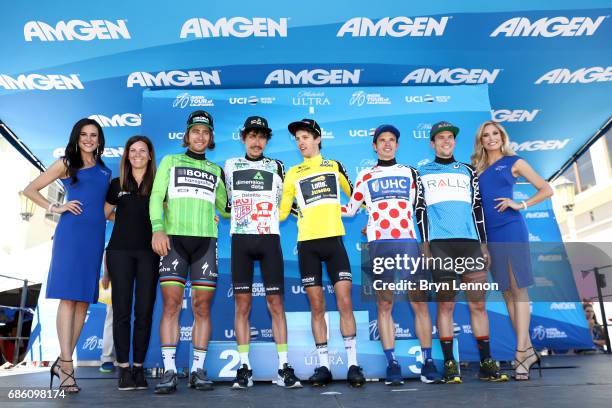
(158, 194)
(221, 197)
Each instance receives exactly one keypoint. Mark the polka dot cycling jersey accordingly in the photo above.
(393, 196)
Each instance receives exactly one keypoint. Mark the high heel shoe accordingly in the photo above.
(53, 372)
(69, 388)
(526, 375)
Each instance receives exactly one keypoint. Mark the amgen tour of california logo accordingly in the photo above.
(92, 343)
(183, 100)
(360, 98)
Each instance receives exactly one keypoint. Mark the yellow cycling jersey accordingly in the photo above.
(315, 185)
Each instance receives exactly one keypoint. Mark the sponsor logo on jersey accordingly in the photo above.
(194, 179)
(517, 115)
(360, 98)
(242, 207)
(585, 75)
(400, 26)
(538, 145)
(549, 27)
(174, 79)
(252, 180)
(444, 187)
(388, 188)
(451, 76)
(239, 27)
(76, 30)
(313, 77)
(41, 82)
(321, 187)
(118, 120)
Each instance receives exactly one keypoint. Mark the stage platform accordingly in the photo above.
(568, 381)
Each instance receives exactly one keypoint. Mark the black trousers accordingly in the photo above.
(132, 272)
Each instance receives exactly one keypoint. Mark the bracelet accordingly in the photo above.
(51, 206)
(524, 204)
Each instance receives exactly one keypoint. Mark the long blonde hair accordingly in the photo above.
(480, 157)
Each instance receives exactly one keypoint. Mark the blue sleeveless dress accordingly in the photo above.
(506, 231)
(78, 242)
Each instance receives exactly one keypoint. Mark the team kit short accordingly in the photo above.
(330, 250)
(392, 260)
(196, 254)
(466, 256)
(265, 248)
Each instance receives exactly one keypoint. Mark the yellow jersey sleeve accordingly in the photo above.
(288, 195)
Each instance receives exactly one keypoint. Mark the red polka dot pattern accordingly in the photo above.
(391, 218)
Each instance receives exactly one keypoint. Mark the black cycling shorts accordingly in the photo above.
(457, 258)
(198, 254)
(265, 248)
(330, 250)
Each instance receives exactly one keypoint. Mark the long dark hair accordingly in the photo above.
(72, 157)
(126, 178)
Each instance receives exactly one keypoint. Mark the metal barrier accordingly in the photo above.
(22, 309)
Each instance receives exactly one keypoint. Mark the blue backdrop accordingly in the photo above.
(347, 116)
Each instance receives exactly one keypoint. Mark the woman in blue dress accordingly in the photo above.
(498, 168)
(79, 237)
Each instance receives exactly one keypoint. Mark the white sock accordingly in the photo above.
(243, 350)
(323, 355)
(282, 359)
(169, 356)
(350, 344)
(199, 356)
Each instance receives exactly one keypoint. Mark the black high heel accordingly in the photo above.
(69, 388)
(53, 372)
(527, 368)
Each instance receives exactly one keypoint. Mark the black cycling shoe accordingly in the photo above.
(140, 380)
(167, 385)
(355, 376)
(286, 377)
(321, 377)
(489, 371)
(200, 381)
(244, 378)
(126, 380)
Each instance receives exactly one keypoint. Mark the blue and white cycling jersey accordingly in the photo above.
(454, 206)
